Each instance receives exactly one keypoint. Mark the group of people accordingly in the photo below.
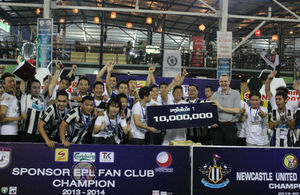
(115, 112)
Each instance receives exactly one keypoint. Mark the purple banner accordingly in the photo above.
(233, 170)
(94, 169)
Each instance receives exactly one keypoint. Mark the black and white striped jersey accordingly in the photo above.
(34, 108)
(79, 125)
(53, 117)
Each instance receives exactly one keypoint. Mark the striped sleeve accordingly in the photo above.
(48, 114)
(71, 115)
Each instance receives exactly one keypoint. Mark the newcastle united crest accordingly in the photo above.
(215, 173)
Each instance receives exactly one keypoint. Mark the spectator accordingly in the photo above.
(127, 52)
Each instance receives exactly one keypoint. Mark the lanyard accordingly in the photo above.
(99, 100)
(83, 119)
(110, 124)
(144, 114)
(255, 113)
(59, 115)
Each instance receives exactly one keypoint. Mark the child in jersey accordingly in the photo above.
(255, 122)
(106, 127)
(282, 123)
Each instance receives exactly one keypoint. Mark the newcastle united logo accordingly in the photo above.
(215, 173)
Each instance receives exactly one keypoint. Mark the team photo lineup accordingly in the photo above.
(116, 111)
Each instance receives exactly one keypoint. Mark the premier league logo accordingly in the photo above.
(84, 171)
(172, 61)
(215, 173)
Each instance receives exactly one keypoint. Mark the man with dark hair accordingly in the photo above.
(83, 86)
(100, 100)
(78, 123)
(138, 119)
(32, 107)
(113, 83)
(282, 123)
(123, 86)
(193, 94)
(228, 103)
(154, 96)
(132, 92)
(177, 94)
(208, 92)
(64, 83)
(162, 86)
(9, 110)
(51, 119)
(206, 132)
(157, 137)
(125, 111)
(194, 133)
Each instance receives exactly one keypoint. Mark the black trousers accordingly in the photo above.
(136, 141)
(153, 138)
(102, 140)
(225, 134)
(24, 137)
(9, 138)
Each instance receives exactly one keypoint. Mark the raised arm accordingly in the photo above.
(101, 73)
(54, 79)
(150, 77)
(184, 74)
(175, 81)
(110, 67)
(268, 83)
(72, 71)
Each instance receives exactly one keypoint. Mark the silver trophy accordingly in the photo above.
(28, 50)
